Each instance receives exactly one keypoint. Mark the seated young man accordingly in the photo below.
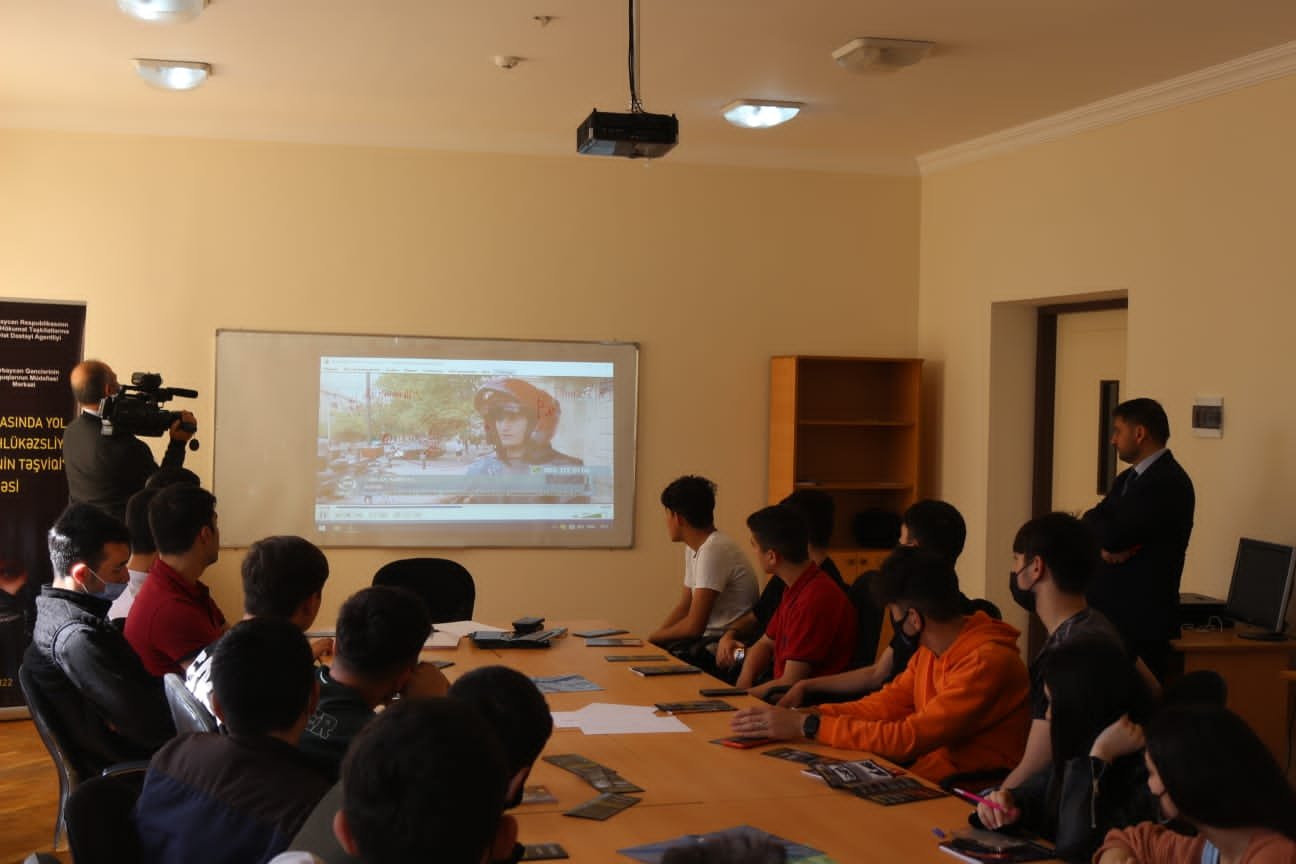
(283, 577)
(816, 508)
(936, 526)
(380, 632)
(960, 706)
(1055, 557)
(425, 781)
(239, 797)
(174, 616)
(143, 552)
(719, 585)
(813, 631)
(111, 708)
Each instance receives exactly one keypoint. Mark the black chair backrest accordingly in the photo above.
(868, 620)
(189, 714)
(446, 586)
(51, 734)
(101, 819)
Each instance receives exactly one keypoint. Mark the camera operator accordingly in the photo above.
(105, 470)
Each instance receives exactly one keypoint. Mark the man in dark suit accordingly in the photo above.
(1143, 526)
(105, 470)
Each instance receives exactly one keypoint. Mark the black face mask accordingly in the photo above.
(910, 643)
(1022, 597)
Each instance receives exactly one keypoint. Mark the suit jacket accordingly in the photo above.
(1141, 596)
(106, 470)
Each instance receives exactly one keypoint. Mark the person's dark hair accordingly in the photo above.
(693, 499)
(1201, 687)
(513, 706)
(1092, 684)
(781, 529)
(380, 631)
(170, 475)
(729, 848)
(1067, 546)
(424, 780)
(177, 515)
(917, 578)
(817, 509)
(262, 674)
(93, 382)
(280, 573)
(79, 537)
(937, 526)
(1147, 413)
(1218, 772)
(137, 522)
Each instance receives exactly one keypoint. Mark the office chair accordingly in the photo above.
(446, 586)
(101, 820)
(189, 714)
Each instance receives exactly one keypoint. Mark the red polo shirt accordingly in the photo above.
(171, 620)
(815, 624)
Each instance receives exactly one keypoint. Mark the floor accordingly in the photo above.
(28, 793)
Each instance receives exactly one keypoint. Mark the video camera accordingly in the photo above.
(137, 408)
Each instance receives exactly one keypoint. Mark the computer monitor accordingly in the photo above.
(1262, 584)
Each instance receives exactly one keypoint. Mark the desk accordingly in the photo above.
(1251, 670)
(693, 786)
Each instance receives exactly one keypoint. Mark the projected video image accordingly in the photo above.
(405, 440)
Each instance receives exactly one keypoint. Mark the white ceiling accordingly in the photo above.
(418, 73)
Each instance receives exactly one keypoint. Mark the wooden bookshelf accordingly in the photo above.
(849, 426)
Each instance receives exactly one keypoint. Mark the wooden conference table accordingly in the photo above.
(692, 786)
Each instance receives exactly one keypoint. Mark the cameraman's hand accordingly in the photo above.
(178, 434)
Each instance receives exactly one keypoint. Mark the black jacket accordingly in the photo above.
(1141, 596)
(106, 470)
(109, 707)
(1078, 808)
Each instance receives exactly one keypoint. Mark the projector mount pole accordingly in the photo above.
(636, 106)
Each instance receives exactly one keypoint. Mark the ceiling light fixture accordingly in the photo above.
(761, 113)
(162, 11)
(172, 74)
(874, 54)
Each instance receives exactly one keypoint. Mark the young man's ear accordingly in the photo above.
(506, 834)
(515, 787)
(342, 831)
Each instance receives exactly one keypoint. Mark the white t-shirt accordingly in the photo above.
(120, 607)
(720, 564)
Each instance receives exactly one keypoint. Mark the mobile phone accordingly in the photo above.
(722, 691)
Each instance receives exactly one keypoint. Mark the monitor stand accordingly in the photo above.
(1264, 636)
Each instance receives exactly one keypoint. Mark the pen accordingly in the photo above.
(968, 796)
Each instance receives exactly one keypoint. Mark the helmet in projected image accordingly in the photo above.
(514, 394)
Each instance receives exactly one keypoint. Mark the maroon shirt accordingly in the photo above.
(815, 624)
(171, 620)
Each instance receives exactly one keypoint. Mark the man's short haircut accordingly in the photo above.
(137, 522)
(380, 631)
(280, 574)
(170, 475)
(93, 384)
(917, 578)
(424, 780)
(177, 515)
(817, 509)
(1067, 546)
(937, 526)
(692, 498)
(1147, 413)
(781, 529)
(262, 674)
(79, 537)
(513, 706)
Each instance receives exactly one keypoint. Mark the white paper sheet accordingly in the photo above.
(464, 628)
(601, 718)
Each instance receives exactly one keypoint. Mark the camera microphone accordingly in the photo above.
(183, 392)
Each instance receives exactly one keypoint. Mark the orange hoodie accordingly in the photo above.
(966, 710)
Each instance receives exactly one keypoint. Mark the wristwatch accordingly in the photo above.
(810, 726)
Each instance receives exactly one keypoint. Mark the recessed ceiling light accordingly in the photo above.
(172, 74)
(164, 11)
(761, 113)
(874, 54)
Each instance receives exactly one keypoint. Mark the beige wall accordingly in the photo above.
(1190, 211)
(711, 270)
(1090, 349)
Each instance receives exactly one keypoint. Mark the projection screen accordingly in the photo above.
(424, 442)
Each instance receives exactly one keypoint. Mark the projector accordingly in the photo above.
(636, 135)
